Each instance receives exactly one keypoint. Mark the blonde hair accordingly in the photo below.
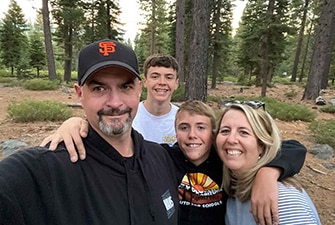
(195, 107)
(268, 136)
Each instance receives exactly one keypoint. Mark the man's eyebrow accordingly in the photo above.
(129, 81)
(93, 81)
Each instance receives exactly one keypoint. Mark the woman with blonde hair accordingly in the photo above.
(247, 140)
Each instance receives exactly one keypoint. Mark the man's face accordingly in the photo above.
(160, 82)
(110, 99)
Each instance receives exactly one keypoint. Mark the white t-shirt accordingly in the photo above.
(159, 129)
(295, 208)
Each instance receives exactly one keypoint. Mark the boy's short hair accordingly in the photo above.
(196, 107)
(160, 61)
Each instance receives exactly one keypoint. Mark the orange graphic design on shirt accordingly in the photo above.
(199, 190)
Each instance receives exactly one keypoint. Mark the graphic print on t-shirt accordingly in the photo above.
(199, 190)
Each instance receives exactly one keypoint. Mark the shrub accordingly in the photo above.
(179, 94)
(40, 84)
(5, 73)
(10, 81)
(30, 111)
(289, 112)
(328, 109)
(324, 132)
(291, 94)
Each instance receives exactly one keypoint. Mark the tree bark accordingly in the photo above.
(68, 55)
(153, 28)
(216, 45)
(196, 84)
(322, 51)
(265, 51)
(180, 38)
(48, 41)
(302, 72)
(300, 40)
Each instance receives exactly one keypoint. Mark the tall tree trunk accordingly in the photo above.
(216, 43)
(302, 72)
(48, 41)
(153, 28)
(180, 38)
(322, 51)
(68, 56)
(265, 50)
(196, 85)
(300, 40)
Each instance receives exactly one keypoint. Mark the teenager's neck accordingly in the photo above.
(157, 108)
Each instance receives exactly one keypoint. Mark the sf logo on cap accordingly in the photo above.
(106, 48)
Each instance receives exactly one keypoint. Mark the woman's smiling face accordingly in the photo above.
(237, 144)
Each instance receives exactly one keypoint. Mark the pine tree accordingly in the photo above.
(37, 53)
(69, 17)
(322, 51)
(12, 38)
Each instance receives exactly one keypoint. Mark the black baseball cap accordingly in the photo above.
(105, 53)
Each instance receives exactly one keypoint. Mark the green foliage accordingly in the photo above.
(101, 20)
(214, 98)
(144, 93)
(37, 52)
(31, 111)
(40, 84)
(179, 94)
(5, 73)
(262, 37)
(328, 109)
(154, 37)
(244, 82)
(12, 39)
(289, 112)
(7, 80)
(230, 78)
(291, 94)
(324, 131)
(282, 80)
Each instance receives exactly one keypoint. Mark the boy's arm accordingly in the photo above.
(290, 158)
(264, 197)
(71, 132)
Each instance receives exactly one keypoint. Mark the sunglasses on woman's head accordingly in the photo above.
(252, 104)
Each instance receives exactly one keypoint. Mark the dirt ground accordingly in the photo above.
(318, 181)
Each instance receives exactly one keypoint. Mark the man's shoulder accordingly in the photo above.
(34, 155)
(28, 153)
(154, 148)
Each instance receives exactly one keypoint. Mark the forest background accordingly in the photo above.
(292, 38)
(290, 42)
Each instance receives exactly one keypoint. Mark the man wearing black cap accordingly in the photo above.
(124, 179)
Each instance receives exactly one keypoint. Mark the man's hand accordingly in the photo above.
(71, 131)
(264, 196)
